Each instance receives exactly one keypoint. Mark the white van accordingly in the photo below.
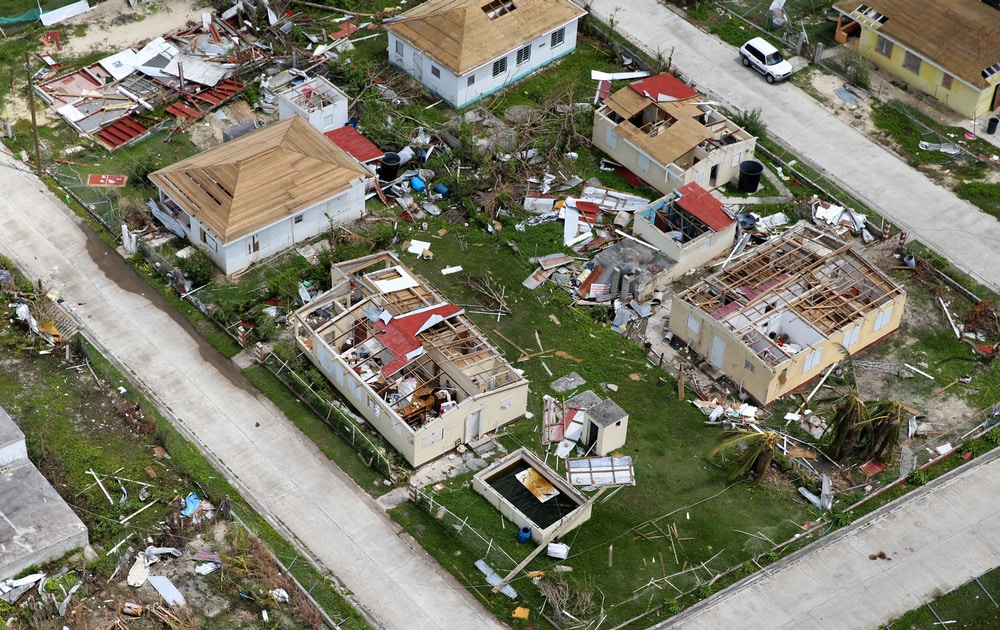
(765, 59)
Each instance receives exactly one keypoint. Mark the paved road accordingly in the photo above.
(930, 213)
(294, 485)
(943, 535)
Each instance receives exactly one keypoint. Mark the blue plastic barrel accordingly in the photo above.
(417, 184)
(442, 190)
(524, 535)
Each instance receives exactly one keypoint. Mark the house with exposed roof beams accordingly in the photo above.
(261, 193)
(464, 50)
(949, 50)
(664, 132)
(779, 317)
(411, 363)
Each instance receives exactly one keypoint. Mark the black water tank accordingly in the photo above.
(991, 126)
(390, 167)
(750, 172)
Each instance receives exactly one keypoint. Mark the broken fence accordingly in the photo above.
(335, 415)
(480, 547)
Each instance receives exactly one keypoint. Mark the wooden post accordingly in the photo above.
(680, 383)
(31, 106)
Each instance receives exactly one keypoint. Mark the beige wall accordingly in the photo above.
(761, 381)
(666, 179)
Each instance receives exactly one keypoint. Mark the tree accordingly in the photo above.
(866, 430)
(753, 449)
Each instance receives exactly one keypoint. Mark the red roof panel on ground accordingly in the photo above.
(700, 203)
(348, 139)
(666, 84)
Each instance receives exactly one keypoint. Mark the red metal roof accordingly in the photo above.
(665, 84)
(399, 335)
(348, 139)
(700, 203)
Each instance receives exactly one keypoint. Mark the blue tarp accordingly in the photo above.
(191, 504)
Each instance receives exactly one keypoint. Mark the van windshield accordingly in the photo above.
(773, 58)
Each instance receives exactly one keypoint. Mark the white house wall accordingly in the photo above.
(456, 90)
(279, 236)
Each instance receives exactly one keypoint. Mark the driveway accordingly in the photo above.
(277, 468)
(931, 214)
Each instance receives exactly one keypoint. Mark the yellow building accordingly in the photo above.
(780, 317)
(950, 49)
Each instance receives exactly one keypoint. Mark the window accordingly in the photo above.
(399, 48)
(558, 37)
(432, 437)
(851, 336)
(435, 72)
(749, 367)
(884, 46)
(472, 80)
(883, 318)
(506, 402)
(812, 360)
(496, 8)
(694, 324)
(499, 66)
(737, 158)
(911, 62)
(524, 55)
(643, 162)
(298, 218)
(611, 139)
(946, 81)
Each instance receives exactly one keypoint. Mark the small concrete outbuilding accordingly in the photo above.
(37, 525)
(605, 422)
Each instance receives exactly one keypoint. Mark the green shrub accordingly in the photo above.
(918, 477)
(753, 122)
(671, 606)
(198, 267)
(704, 591)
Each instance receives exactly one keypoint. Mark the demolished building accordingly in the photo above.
(411, 363)
(667, 134)
(785, 313)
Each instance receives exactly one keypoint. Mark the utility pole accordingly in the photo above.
(31, 106)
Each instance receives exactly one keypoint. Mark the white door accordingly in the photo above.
(472, 425)
(718, 350)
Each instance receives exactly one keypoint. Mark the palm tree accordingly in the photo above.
(754, 449)
(867, 430)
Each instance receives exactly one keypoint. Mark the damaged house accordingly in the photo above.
(464, 50)
(690, 226)
(662, 130)
(778, 318)
(261, 193)
(949, 50)
(412, 364)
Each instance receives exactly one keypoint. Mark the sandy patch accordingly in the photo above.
(114, 26)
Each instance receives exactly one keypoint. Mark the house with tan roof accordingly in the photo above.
(949, 50)
(261, 193)
(410, 362)
(464, 50)
(664, 132)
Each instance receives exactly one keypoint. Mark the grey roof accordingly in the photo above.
(583, 400)
(606, 413)
(37, 526)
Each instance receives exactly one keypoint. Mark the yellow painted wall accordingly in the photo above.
(960, 97)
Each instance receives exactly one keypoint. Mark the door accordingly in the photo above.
(254, 245)
(713, 176)
(718, 350)
(472, 422)
(996, 98)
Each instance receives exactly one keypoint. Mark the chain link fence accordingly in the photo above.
(485, 548)
(336, 415)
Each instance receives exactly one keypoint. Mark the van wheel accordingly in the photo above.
(746, 62)
(770, 78)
